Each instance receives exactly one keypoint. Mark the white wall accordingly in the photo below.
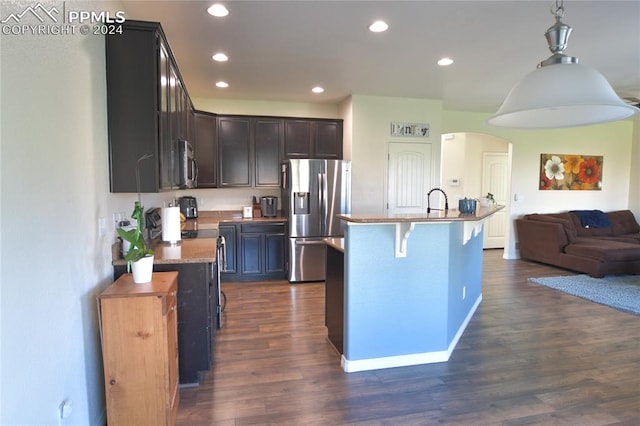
(372, 117)
(613, 141)
(54, 186)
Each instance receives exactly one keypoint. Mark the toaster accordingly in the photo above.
(188, 207)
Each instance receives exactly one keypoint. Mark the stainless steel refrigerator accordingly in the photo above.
(313, 193)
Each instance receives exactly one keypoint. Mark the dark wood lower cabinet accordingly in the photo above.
(258, 252)
(197, 319)
(334, 298)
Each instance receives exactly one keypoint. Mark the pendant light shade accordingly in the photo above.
(561, 95)
(561, 92)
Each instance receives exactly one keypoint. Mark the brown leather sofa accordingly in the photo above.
(587, 241)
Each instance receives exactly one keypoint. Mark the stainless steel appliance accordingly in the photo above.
(313, 193)
(188, 207)
(269, 206)
(187, 166)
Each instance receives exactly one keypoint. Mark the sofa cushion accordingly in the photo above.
(589, 231)
(563, 219)
(623, 222)
(606, 251)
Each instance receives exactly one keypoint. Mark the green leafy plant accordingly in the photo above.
(135, 237)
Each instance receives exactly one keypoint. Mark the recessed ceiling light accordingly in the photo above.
(218, 10)
(378, 27)
(220, 57)
(222, 84)
(317, 89)
(445, 61)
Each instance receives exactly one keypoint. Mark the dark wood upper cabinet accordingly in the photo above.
(267, 141)
(312, 138)
(206, 147)
(235, 151)
(147, 108)
(297, 138)
(249, 151)
(327, 139)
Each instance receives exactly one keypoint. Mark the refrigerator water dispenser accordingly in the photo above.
(301, 203)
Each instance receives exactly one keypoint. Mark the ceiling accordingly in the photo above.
(279, 50)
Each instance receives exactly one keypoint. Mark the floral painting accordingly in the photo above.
(570, 172)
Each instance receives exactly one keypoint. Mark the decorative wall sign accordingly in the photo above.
(420, 130)
(570, 172)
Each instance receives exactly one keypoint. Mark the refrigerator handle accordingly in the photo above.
(284, 176)
(322, 199)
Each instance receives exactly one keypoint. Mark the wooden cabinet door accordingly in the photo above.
(234, 146)
(206, 147)
(267, 151)
(138, 329)
(251, 253)
(229, 234)
(297, 138)
(166, 161)
(327, 141)
(133, 109)
(274, 253)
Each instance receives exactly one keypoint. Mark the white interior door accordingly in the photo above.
(408, 177)
(495, 179)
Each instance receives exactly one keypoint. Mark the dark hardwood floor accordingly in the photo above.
(530, 355)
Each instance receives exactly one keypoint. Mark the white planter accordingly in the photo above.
(142, 270)
(485, 202)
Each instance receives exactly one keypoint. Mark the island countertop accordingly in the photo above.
(434, 216)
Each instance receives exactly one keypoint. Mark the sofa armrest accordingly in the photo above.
(540, 241)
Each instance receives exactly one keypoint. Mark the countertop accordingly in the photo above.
(195, 250)
(335, 242)
(212, 219)
(451, 215)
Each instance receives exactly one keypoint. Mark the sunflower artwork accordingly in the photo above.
(570, 172)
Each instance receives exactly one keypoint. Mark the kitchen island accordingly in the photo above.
(198, 310)
(411, 285)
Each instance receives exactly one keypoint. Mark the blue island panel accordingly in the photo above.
(407, 310)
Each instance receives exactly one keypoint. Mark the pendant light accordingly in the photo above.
(561, 92)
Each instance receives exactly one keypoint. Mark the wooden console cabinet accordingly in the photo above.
(140, 350)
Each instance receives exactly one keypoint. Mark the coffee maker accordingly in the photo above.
(188, 207)
(269, 206)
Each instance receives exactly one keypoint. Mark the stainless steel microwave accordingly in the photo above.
(188, 168)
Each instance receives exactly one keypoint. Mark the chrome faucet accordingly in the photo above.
(446, 200)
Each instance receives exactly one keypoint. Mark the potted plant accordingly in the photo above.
(487, 200)
(139, 257)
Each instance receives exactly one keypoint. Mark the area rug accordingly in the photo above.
(619, 291)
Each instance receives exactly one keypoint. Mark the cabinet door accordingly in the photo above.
(229, 234)
(327, 141)
(166, 163)
(267, 152)
(234, 145)
(297, 138)
(274, 254)
(133, 109)
(251, 253)
(206, 146)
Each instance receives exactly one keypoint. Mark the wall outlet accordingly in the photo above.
(464, 292)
